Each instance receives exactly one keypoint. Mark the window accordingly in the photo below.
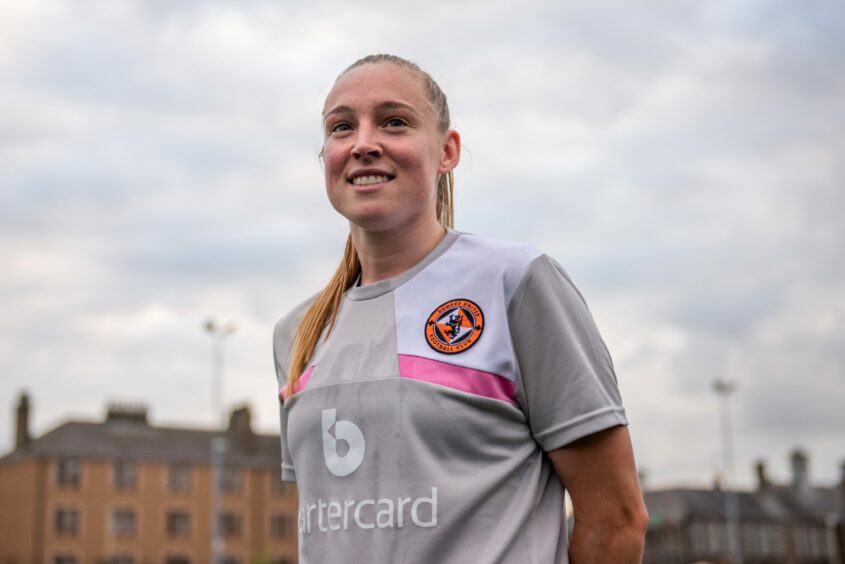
(281, 525)
(230, 479)
(179, 477)
(177, 560)
(230, 524)
(708, 539)
(125, 475)
(66, 522)
(773, 541)
(123, 522)
(178, 524)
(68, 473)
(64, 559)
(809, 541)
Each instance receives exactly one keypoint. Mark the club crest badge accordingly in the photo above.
(454, 326)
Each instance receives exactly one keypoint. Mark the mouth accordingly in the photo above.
(370, 179)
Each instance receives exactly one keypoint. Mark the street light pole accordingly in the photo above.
(724, 389)
(218, 454)
(217, 333)
(218, 443)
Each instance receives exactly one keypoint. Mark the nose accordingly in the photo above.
(366, 143)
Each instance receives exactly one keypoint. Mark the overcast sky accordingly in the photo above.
(682, 160)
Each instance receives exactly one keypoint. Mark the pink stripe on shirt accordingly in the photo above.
(467, 380)
(300, 384)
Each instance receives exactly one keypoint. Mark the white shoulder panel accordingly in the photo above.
(483, 271)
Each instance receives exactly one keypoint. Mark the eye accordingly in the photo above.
(395, 122)
(339, 127)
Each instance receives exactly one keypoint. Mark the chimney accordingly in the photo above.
(239, 420)
(121, 411)
(763, 482)
(240, 429)
(22, 437)
(800, 469)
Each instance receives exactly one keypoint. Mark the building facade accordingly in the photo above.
(122, 491)
(794, 523)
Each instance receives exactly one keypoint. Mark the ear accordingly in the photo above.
(451, 154)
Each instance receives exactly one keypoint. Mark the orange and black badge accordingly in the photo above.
(454, 326)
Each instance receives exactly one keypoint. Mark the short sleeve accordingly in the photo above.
(566, 381)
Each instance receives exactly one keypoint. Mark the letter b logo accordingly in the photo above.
(343, 431)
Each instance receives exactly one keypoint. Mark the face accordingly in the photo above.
(382, 149)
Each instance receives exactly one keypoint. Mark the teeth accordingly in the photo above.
(364, 180)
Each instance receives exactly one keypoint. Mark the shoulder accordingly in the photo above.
(497, 249)
(544, 271)
(527, 272)
(493, 258)
(285, 328)
(549, 287)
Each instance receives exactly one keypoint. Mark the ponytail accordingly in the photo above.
(322, 313)
(445, 200)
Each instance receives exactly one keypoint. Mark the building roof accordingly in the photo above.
(126, 434)
(799, 501)
(811, 502)
(775, 504)
(681, 504)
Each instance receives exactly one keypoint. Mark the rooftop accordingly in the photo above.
(126, 433)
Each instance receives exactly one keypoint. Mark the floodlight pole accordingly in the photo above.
(724, 389)
(218, 443)
(218, 334)
(218, 454)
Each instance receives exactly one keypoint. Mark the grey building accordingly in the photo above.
(778, 523)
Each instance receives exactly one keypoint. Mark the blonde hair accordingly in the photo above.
(323, 311)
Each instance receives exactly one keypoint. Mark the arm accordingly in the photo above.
(572, 399)
(610, 517)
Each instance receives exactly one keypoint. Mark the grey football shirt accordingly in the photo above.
(417, 432)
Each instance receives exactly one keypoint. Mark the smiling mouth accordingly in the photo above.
(370, 179)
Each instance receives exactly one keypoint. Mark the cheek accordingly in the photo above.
(420, 160)
(333, 161)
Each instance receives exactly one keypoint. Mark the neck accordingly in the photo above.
(387, 254)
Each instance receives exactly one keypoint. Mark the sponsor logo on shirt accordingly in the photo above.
(454, 326)
(344, 514)
(341, 465)
(383, 513)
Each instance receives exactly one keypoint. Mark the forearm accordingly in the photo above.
(610, 516)
(606, 545)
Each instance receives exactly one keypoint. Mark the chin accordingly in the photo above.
(374, 224)
(380, 216)
(376, 220)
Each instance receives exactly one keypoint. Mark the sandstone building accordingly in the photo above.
(123, 491)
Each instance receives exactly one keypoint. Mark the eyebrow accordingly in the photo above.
(381, 106)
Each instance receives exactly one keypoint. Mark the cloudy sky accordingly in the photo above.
(682, 160)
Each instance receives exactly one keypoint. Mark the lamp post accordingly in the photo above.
(217, 333)
(218, 443)
(724, 389)
(218, 454)
(831, 524)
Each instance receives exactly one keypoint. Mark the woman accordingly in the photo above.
(442, 389)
